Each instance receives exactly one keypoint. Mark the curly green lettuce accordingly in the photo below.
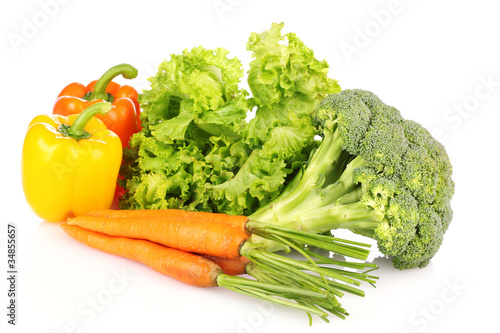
(286, 80)
(192, 116)
(196, 151)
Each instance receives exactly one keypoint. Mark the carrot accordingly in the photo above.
(201, 272)
(226, 241)
(191, 235)
(220, 238)
(182, 266)
(236, 220)
(230, 266)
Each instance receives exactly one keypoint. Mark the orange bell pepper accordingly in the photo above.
(124, 119)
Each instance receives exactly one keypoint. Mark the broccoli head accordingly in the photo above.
(375, 174)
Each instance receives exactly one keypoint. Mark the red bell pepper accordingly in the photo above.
(123, 119)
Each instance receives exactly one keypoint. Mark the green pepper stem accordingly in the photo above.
(126, 70)
(77, 130)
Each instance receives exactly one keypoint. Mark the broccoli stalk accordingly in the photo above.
(374, 174)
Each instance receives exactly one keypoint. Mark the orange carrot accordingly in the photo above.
(191, 235)
(180, 265)
(230, 266)
(201, 272)
(236, 220)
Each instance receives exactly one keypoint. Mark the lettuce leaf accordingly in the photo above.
(192, 114)
(286, 80)
(287, 83)
(264, 173)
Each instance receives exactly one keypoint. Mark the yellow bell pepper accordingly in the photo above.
(70, 164)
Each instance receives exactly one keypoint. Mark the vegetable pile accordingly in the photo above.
(373, 172)
(207, 194)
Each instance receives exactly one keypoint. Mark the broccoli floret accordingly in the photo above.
(398, 226)
(379, 109)
(375, 174)
(351, 126)
(436, 166)
(384, 145)
(419, 173)
(427, 240)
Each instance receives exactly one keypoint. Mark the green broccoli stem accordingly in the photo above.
(355, 217)
(345, 186)
(304, 191)
(301, 206)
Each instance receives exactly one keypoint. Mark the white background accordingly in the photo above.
(436, 61)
